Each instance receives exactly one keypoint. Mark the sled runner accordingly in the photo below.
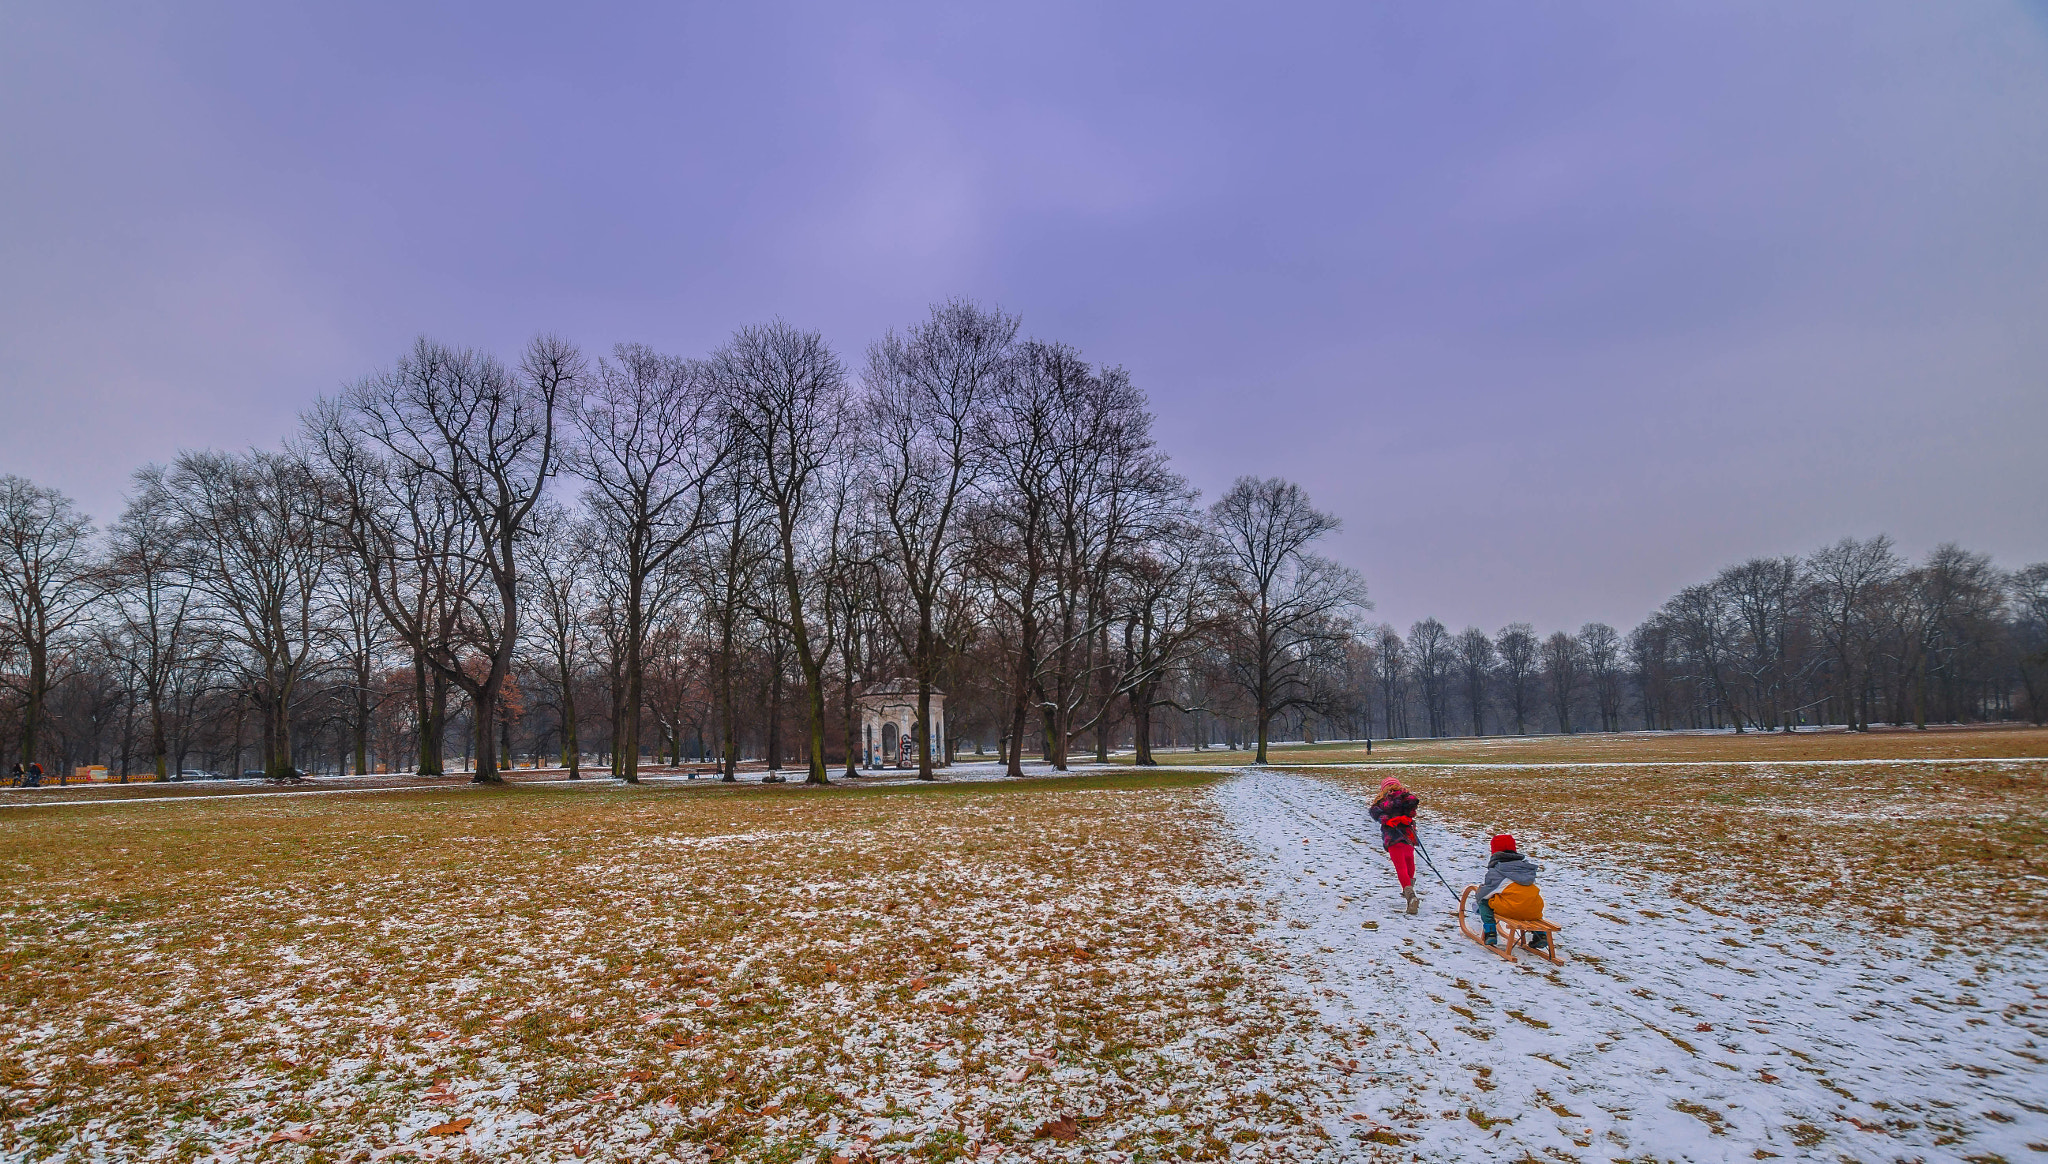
(1515, 933)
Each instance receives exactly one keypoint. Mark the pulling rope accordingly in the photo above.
(1432, 866)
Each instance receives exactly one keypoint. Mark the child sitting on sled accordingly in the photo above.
(1510, 891)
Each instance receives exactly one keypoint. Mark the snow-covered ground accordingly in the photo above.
(1669, 1033)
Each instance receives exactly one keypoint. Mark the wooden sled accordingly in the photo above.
(1516, 933)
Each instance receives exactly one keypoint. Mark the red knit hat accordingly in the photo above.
(1503, 843)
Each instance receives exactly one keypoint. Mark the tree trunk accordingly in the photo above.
(922, 732)
(775, 719)
(572, 749)
(279, 711)
(1920, 691)
(1019, 706)
(1141, 726)
(814, 708)
(730, 746)
(853, 742)
(159, 743)
(32, 718)
(627, 746)
(362, 724)
(926, 647)
(483, 732)
(432, 693)
(1265, 710)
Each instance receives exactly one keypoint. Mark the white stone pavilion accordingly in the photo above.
(888, 716)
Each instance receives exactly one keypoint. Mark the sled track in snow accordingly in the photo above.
(1669, 1031)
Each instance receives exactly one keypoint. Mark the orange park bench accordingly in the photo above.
(1513, 931)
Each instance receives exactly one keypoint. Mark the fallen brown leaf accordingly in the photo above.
(1063, 1129)
(451, 1128)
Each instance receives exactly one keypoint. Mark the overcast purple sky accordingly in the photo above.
(1559, 306)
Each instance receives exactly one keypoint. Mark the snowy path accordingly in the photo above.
(1682, 1036)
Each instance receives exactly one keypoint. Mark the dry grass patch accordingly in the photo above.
(1960, 849)
(916, 974)
(1936, 743)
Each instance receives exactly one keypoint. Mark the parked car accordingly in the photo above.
(196, 774)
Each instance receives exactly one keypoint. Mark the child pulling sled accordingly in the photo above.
(1395, 810)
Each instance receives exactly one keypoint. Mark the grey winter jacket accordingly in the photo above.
(1507, 866)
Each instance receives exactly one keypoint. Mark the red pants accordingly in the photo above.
(1404, 862)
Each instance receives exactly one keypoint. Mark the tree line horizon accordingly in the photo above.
(646, 555)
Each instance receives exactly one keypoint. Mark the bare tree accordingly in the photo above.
(1765, 597)
(1012, 550)
(927, 395)
(726, 571)
(251, 545)
(1170, 610)
(363, 637)
(653, 442)
(151, 598)
(48, 583)
(2029, 593)
(786, 394)
(1274, 588)
(1433, 651)
(1518, 648)
(1849, 578)
(1475, 662)
(1949, 602)
(1600, 648)
(1390, 667)
(1699, 616)
(558, 557)
(850, 600)
(1111, 494)
(1563, 672)
(479, 439)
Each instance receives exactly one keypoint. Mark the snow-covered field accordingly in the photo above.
(1129, 968)
(1669, 1033)
(1047, 971)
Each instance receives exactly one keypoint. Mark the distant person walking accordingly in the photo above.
(1395, 810)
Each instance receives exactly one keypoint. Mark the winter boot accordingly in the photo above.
(1414, 902)
(1492, 936)
(1539, 940)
